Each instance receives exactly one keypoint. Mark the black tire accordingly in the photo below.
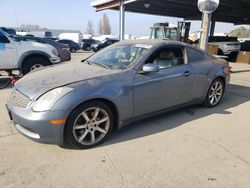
(32, 62)
(208, 101)
(220, 52)
(73, 50)
(70, 135)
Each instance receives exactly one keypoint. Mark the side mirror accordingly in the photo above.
(150, 67)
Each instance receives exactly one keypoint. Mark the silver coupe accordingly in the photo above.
(81, 103)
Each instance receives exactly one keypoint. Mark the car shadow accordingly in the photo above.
(235, 95)
(5, 82)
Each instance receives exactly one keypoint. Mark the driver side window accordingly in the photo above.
(168, 57)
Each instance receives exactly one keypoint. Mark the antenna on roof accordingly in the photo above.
(16, 20)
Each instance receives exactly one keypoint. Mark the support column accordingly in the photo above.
(213, 22)
(206, 17)
(122, 20)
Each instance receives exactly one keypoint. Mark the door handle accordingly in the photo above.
(186, 73)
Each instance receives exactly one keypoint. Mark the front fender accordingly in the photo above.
(116, 89)
(31, 53)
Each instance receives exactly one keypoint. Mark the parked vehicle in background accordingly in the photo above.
(102, 44)
(9, 31)
(169, 32)
(228, 46)
(42, 34)
(62, 49)
(76, 37)
(86, 44)
(245, 46)
(73, 46)
(24, 55)
(122, 83)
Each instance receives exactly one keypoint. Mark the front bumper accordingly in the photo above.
(36, 125)
(55, 60)
(229, 51)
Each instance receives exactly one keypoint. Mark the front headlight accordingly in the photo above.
(54, 52)
(47, 100)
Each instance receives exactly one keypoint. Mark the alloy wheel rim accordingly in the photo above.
(215, 93)
(36, 66)
(91, 126)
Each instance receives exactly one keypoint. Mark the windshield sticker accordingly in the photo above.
(2, 47)
(143, 46)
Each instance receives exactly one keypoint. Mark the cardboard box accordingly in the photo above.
(243, 57)
(212, 49)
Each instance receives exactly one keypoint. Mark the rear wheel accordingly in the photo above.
(214, 93)
(89, 125)
(34, 63)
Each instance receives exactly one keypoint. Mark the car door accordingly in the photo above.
(167, 88)
(201, 67)
(8, 53)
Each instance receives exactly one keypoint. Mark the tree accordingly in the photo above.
(104, 27)
(100, 27)
(241, 32)
(90, 29)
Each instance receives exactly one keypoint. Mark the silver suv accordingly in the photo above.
(227, 45)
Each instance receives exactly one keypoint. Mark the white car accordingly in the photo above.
(24, 55)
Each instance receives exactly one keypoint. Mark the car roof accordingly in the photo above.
(88, 39)
(65, 40)
(159, 43)
(152, 42)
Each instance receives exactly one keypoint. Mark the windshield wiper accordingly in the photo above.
(87, 61)
(102, 65)
(90, 63)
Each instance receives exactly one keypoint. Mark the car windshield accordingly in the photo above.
(119, 56)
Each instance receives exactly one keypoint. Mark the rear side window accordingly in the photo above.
(167, 57)
(195, 55)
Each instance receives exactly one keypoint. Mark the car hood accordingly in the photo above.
(38, 82)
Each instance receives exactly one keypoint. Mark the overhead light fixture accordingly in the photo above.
(146, 4)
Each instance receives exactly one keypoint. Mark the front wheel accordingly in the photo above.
(73, 50)
(89, 125)
(214, 93)
(34, 63)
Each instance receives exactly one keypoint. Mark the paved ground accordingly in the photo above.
(191, 147)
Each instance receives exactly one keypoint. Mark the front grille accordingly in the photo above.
(19, 99)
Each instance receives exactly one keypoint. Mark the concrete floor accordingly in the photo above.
(191, 147)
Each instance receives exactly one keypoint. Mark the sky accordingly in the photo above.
(75, 14)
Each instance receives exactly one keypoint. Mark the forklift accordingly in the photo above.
(167, 32)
